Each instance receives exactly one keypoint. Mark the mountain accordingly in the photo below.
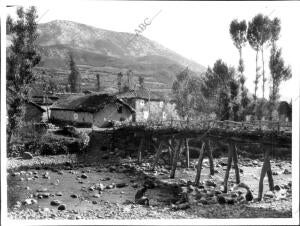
(104, 52)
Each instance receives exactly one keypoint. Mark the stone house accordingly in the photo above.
(89, 110)
(149, 106)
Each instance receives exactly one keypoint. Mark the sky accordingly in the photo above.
(196, 30)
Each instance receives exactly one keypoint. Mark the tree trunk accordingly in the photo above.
(256, 78)
(263, 63)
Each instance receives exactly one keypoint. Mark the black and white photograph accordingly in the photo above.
(150, 112)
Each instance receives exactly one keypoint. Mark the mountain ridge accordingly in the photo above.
(111, 43)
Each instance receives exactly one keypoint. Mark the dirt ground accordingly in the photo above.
(32, 190)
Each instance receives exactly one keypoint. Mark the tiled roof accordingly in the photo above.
(88, 103)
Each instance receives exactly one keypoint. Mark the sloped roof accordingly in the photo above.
(140, 94)
(88, 103)
(36, 105)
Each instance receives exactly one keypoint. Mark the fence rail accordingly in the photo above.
(276, 126)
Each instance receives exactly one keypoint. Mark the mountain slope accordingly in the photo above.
(119, 45)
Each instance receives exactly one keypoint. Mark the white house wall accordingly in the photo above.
(79, 117)
(110, 112)
(156, 110)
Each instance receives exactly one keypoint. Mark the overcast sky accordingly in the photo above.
(196, 30)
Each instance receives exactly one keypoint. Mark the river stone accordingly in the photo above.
(286, 171)
(60, 172)
(230, 201)
(121, 185)
(210, 183)
(14, 174)
(269, 194)
(110, 186)
(84, 176)
(135, 185)
(221, 200)
(61, 207)
(27, 155)
(96, 195)
(29, 201)
(45, 195)
(277, 188)
(203, 201)
(55, 203)
(100, 187)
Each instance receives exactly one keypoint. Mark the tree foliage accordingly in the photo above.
(221, 87)
(259, 33)
(279, 73)
(22, 57)
(187, 92)
(74, 77)
(238, 32)
(141, 82)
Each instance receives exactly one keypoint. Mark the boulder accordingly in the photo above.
(221, 200)
(210, 183)
(269, 194)
(121, 185)
(29, 201)
(277, 188)
(55, 203)
(230, 201)
(286, 171)
(61, 207)
(75, 196)
(84, 176)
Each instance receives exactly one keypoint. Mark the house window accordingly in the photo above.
(75, 116)
(120, 109)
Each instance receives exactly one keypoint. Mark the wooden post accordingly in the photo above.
(235, 162)
(211, 159)
(269, 172)
(270, 177)
(170, 152)
(175, 157)
(199, 166)
(187, 153)
(262, 174)
(229, 161)
(140, 150)
(158, 153)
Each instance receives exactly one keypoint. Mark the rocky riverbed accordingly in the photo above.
(60, 188)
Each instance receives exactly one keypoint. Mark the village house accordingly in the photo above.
(149, 106)
(89, 110)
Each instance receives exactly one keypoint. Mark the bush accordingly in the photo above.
(52, 144)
